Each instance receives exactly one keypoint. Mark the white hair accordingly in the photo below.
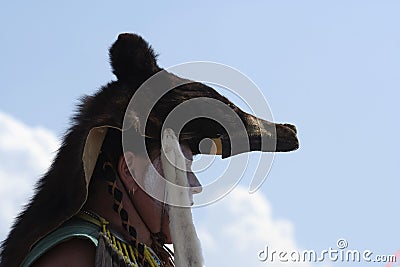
(187, 248)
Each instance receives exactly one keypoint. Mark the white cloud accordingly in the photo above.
(25, 153)
(236, 228)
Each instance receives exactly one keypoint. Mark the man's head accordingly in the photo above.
(141, 174)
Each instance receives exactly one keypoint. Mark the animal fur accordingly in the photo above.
(187, 248)
(62, 191)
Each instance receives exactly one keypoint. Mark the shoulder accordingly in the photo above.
(72, 244)
(79, 252)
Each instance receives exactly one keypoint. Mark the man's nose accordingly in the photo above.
(195, 186)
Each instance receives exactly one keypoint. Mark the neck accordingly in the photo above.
(100, 201)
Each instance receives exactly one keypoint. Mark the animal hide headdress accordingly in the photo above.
(62, 191)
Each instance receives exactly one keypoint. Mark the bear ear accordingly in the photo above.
(132, 58)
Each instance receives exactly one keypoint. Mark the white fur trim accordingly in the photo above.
(187, 248)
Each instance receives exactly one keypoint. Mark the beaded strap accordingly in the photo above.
(118, 250)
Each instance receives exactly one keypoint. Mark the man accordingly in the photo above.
(95, 206)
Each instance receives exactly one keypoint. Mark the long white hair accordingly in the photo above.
(187, 248)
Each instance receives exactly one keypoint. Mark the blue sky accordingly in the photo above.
(329, 67)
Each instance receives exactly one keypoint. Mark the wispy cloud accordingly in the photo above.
(26, 152)
(237, 227)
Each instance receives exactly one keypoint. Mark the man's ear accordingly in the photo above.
(126, 169)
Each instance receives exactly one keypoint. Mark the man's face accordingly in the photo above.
(148, 198)
(154, 178)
